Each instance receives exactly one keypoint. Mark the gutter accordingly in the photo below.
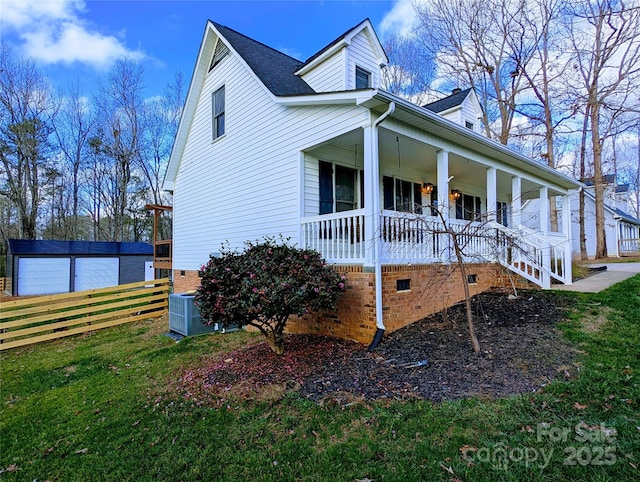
(376, 246)
(542, 170)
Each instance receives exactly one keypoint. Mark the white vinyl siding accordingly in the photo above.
(361, 55)
(247, 184)
(590, 227)
(470, 115)
(43, 276)
(531, 219)
(463, 114)
(329, 76)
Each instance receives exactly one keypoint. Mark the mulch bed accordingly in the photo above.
(432, 359)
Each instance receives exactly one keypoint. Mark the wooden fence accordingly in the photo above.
(4, 284)
(32, 320)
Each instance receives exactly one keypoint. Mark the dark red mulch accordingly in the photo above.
(431, 359)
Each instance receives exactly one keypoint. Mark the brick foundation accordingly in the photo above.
(432, 288)
(184, 281)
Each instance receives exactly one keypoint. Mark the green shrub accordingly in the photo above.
(264, 285)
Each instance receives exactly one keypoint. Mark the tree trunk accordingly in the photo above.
(584, 255)
(583, 237)
(598, 184)
(467, 296)
(275, 339)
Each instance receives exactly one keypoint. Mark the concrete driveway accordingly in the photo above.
(615, 273)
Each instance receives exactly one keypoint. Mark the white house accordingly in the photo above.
(622, 231)
(461, 107)
(316, 151)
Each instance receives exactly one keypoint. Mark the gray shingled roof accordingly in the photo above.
(606, 179)
(447, 103)
(328, 46)
(627, 217)
(275, 69)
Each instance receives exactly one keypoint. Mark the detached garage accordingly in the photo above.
(38, 267)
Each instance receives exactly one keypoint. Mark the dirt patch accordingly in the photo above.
(431, 359)
(593, 321)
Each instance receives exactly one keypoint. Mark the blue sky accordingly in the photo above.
(79, 40)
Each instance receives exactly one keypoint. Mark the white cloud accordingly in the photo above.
(53, 31)
(401, 19)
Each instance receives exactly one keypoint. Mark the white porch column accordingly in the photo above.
(544, 209)
(371, 194)
(516, 201)
(566, 229)
(442, 158)
(544, 227)
(492, 194)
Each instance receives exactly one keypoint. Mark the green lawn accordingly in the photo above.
(97, 408)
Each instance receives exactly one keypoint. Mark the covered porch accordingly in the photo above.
(628, 236)
(397, 191)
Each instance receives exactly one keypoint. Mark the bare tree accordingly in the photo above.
(410, 71)
(547, 107)
(24, 137)
(75, 123)
(160, 123)
(605, 39)
(474, 43)
(119, 137)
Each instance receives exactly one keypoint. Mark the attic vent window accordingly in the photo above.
(220, 53)
(363, 78)
(468, 125)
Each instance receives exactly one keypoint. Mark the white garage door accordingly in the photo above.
(92, 273)
(43, 276)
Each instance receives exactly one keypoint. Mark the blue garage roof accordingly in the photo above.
(99, 248)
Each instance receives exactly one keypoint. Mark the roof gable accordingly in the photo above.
(454, 100)
(273, 68)
(616, 211)
(344, 40)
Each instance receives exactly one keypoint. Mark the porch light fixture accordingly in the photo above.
(456, 194)
(427, 188)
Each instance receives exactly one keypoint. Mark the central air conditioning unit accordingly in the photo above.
(184, 316)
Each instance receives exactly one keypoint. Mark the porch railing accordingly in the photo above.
(629, 245)
(535, 256)
(410, 237)
(414, 238)
(338, 236)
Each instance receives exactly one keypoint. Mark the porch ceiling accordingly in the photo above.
(406, 152)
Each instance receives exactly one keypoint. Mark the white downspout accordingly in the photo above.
(375, 197)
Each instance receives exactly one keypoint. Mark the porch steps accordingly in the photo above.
(533, 255)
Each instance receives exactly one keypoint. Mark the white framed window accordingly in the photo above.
(402, 195)
(218, 112)
(468, 207)
(469, 125)
(363, 78)
(341, 188)
(502, 213)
